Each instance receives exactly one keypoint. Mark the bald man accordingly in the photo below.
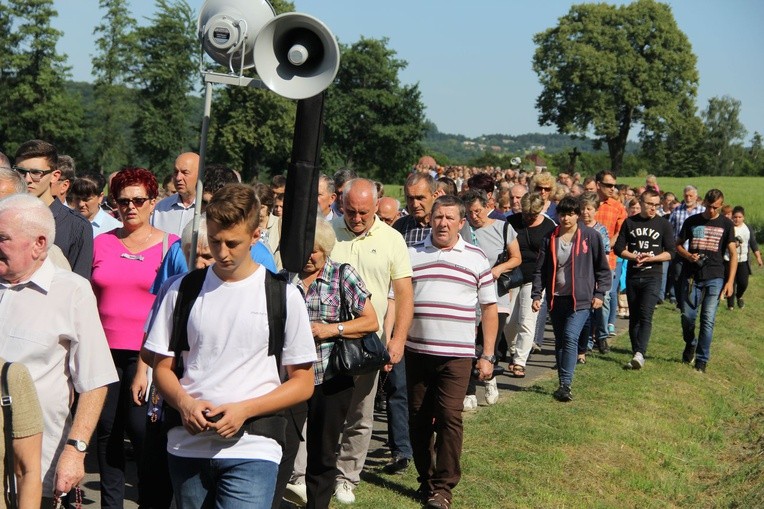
(388, 210)
(173, 213)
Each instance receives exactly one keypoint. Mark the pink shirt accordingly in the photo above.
(121, 282)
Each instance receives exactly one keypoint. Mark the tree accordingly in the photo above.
(373, 123)
(114, 111)
(166, 75)
(605, 69)
(252, 129)
(724, 132)
(681, 151)
(35, 102)
(755, 154)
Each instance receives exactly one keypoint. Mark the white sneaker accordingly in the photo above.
(638, 361)
(470, 403)
(343, 492)
(491, 392)
(296, 493)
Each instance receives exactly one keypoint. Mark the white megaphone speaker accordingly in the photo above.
(228, 30)
(296, 55)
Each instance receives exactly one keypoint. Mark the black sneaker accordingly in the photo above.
(700, 366)
(688, 354)
(396, 466)
(603, 346)
(740, 303)
(563, 393)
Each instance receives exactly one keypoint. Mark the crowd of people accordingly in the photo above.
(218, 368)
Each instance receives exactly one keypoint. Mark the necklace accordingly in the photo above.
(138, 245)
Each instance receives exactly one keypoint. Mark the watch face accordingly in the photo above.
(81, 446)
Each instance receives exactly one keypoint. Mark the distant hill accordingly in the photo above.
(459, 149)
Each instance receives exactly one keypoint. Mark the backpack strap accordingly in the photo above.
(275, 302)
(189, 290)
(10, 478)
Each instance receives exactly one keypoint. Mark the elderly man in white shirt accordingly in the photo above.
(65, 352)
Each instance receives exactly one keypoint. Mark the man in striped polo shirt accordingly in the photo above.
(450, 278)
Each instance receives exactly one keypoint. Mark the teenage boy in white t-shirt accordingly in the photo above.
(216, 458)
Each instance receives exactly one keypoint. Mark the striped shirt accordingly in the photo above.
(448, 286)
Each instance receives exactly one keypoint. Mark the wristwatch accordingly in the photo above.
(489, 358)
(340, 328)
(80, 445)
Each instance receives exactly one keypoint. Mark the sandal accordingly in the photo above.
(581, 359)
(518, 371)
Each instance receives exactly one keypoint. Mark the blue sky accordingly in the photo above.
(472, 60)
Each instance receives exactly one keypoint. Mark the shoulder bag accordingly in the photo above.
(511, 279)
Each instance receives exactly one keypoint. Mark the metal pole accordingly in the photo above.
(200, 181)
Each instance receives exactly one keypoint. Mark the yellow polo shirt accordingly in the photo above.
(380, 256)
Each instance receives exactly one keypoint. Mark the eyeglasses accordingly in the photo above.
(653, 205)
(125, 202)
(35, 175)
(607, 184)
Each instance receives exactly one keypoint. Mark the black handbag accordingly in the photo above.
(511, 279)
(356, 356)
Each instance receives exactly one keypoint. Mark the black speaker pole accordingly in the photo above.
(298, 227)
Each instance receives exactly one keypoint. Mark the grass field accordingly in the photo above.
(666, 436)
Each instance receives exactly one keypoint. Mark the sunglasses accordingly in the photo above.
(546, 189)
(125, 202)
(607, 184)
(35, 175)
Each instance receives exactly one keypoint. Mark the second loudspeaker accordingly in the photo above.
(296, 55)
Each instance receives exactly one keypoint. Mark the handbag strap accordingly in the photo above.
(345, 314)
(9, 460)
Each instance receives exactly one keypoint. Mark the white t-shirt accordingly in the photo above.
(228, 358)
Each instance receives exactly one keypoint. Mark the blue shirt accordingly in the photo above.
(104, 222)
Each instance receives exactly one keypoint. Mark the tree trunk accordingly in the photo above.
(617, 146)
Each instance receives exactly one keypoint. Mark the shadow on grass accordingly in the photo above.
(389, 483)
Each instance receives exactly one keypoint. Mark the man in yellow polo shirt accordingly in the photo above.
(380, 256)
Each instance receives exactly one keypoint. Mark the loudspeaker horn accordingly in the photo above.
(296, 55)
(228, 30)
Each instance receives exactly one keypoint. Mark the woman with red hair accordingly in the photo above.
(125, 263)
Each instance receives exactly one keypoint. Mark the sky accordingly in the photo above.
(472, 60)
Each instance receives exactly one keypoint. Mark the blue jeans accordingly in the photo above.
(703, 295)
(613, 309)
(567, 324)
(201, 483)
(398, 411)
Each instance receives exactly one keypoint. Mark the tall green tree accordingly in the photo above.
(252, 129)
(114, 107)
(605, 69)
(34, 100)
(681, 151)
(725, 132)
(374, 124)
(165, 75)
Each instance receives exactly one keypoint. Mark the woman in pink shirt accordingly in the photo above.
(125, 263)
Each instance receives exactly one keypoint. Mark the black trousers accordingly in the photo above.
(119, 416)
(741, 280)
(643, 294)
(327, 410)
